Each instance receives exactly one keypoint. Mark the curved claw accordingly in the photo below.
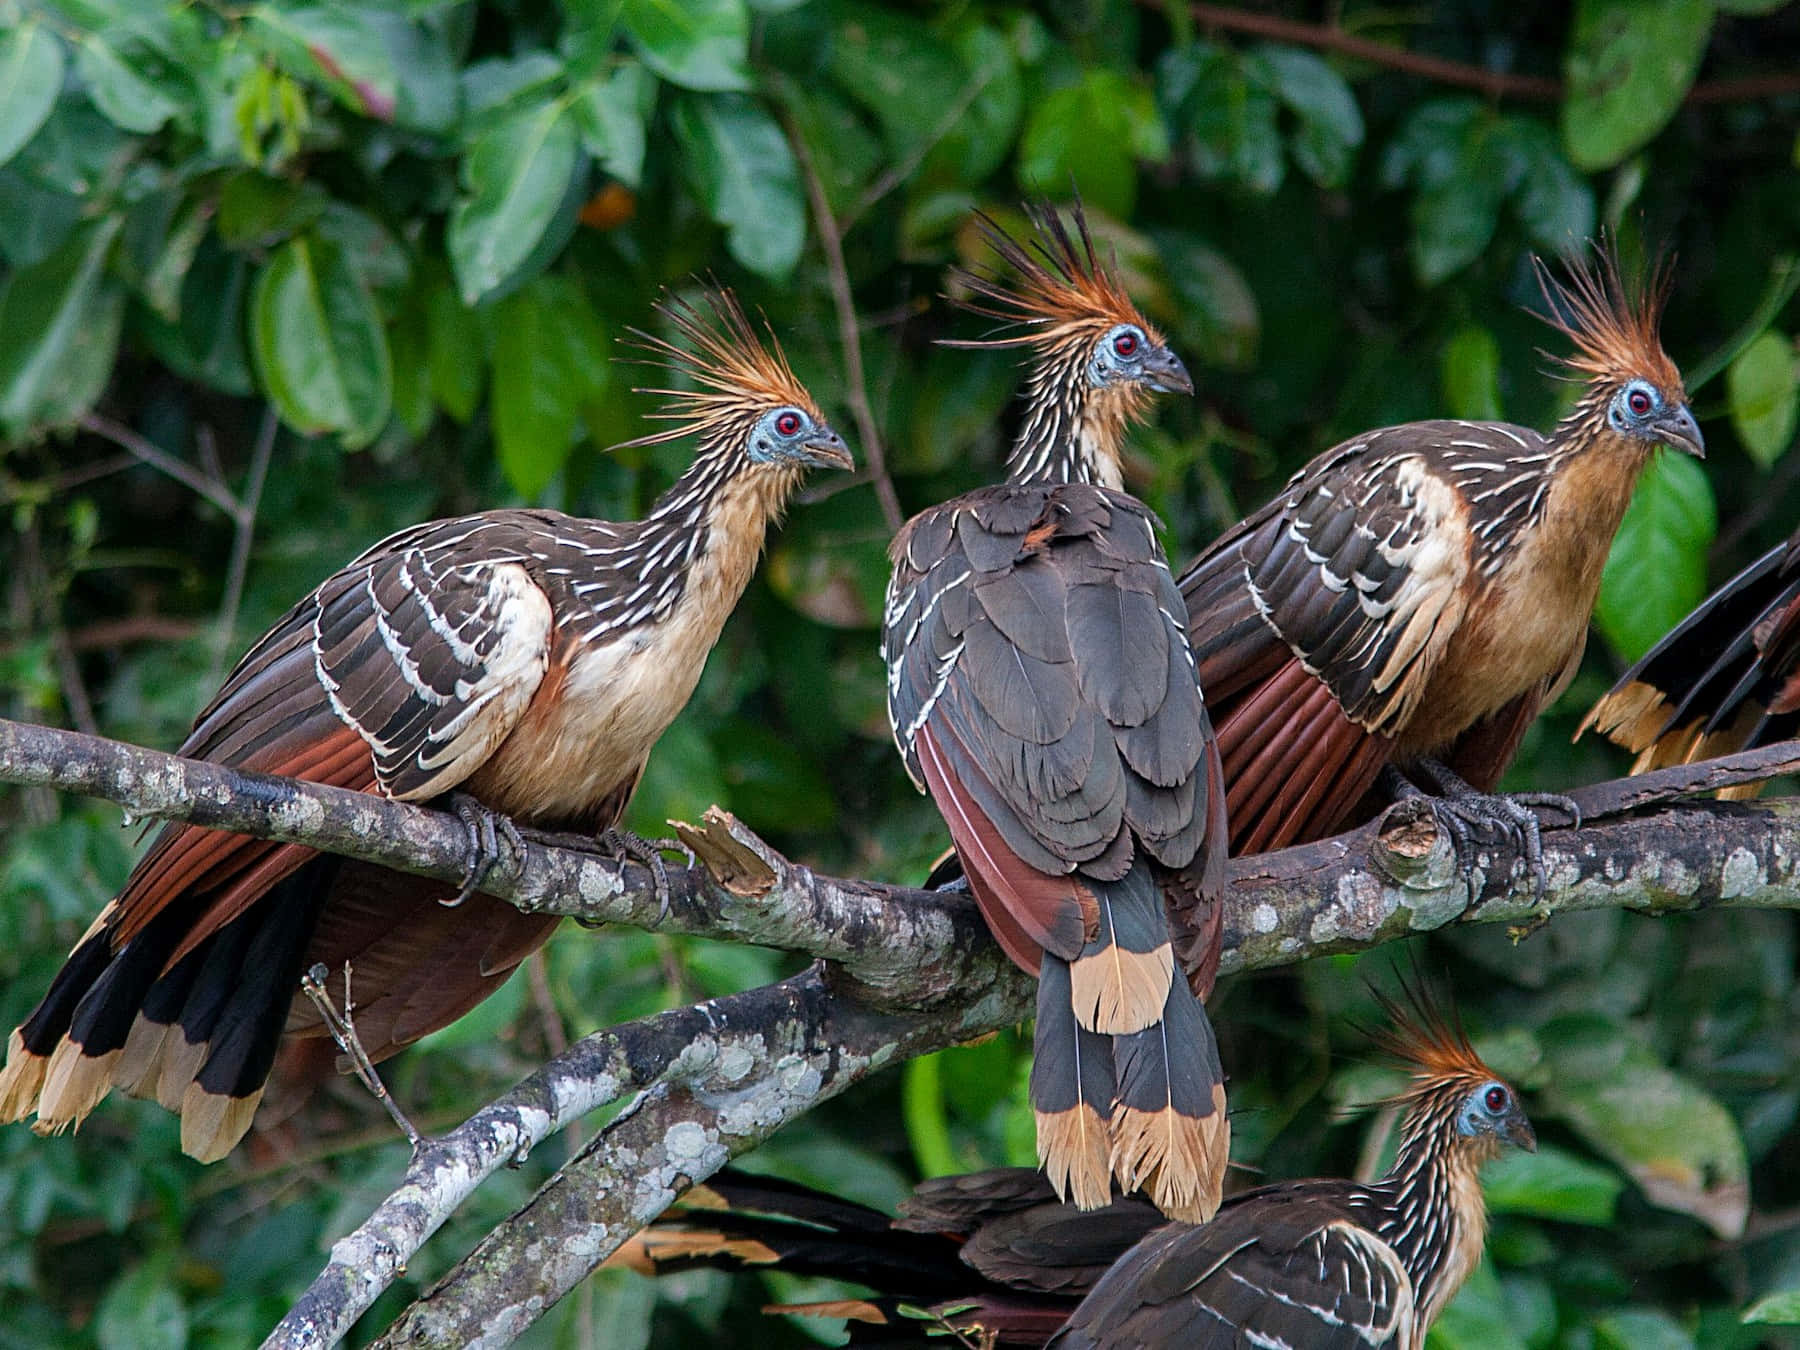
(1463, 811)
(630, 847)
(486, 828)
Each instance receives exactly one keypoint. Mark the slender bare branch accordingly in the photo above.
(157, 458)
(243, 535)
(856, 385)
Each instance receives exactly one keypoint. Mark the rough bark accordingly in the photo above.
(902, 972)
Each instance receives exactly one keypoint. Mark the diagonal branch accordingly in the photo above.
(1496, 84)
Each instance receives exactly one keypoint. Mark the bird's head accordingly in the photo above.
(1634, 390)
(744, 403)
(1095, 359)
(1454, 1097)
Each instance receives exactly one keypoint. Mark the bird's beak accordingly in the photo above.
(1164, 373)
(1518, 1131)
(828, 451)
(1677, 428)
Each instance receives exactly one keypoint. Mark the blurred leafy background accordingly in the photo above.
(281, 277)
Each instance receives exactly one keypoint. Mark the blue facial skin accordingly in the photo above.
(1491, 1109)
(791, 434)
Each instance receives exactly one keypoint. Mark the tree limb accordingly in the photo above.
(1495, 84)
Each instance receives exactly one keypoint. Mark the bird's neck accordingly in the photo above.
(698, 546)
(1434, 1217)
(1593, 472)
(1071, 432)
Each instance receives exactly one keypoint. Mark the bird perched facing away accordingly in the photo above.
(1726, 678)
(1041, 690)
(1330, 1265)
(1308, 1265)
(1415, 595)
(526, 658)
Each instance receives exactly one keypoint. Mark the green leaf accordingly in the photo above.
(59, 331)
(1552, 201)
(457, 356)
(1454, 217)
(1089, 133)
(1217, 314)
(129, 97)
(1629, 66)
(514, 177)
(1331, 125)
(1656, 571)
(1641, 1329)
(162, 286)
(1552, 1184)
(1470, 368)
(320, 347)
(336, 46)
(1675, 1140)
(1782, 1307)
(257, 211)
(31, 72)
(1763, 388)
(1230, 119)
(977, 143)
(1478, 1318)
(743, 172)
(142, 1311)
(927, 1119)
(899, 70)
(697, 44)
(550, 359)
(610, 114)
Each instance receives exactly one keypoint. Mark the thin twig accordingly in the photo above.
(831, 238)
(74, 688)
(901, 170)
(1495, 84)
(242, 537)
(342, 1026)
(127, 439)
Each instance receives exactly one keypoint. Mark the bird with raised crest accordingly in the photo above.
(1331, 1265)
(1041, 691)
(522, 662)
(994, 1258)
(1726, 678)
(1413, 597)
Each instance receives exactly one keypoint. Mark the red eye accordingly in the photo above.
(1495, 1099)
(1126, 343)
(788, 424)
(1638, 401)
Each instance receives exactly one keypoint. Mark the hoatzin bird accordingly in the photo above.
(1330, 1265)
(1041, 690)
(1309, 1265)
(1415, 595)
(1726, 678)
(525, 658)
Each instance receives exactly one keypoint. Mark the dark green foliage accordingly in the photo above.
(416, 229)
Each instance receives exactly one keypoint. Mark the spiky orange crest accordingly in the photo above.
(1614, 324)
(1059, 283)
(736, 373)
(1428, 1037)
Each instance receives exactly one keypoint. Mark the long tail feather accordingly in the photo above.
(1071, 1093)
(1170, 1134)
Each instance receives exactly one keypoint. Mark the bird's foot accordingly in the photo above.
(630, 847)
(486, 828)
(1469, 815)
